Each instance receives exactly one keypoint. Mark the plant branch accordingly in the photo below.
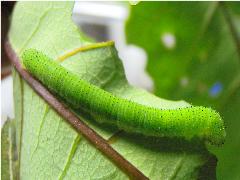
(73, 120)
(231, 25)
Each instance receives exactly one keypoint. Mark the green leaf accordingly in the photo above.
(202, 66)
(49, 147)
(8, 154)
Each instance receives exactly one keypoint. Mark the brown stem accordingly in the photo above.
(73, 120)
(5, 73)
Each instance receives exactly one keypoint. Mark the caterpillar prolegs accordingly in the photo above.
(203, 123)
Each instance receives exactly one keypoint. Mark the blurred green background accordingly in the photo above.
(193, 51)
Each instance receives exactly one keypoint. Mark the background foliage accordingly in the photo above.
(202, 66)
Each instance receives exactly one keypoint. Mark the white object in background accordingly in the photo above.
(6, 99)
(100, 10)
(134, 60)
(169, 40)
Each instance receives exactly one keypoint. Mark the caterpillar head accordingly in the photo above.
(217, 132)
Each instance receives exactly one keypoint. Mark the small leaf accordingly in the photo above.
(8, 151)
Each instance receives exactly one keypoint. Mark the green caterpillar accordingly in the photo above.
(192, 122)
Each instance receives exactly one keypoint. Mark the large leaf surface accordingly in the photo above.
(202, 66)
(49, 148)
